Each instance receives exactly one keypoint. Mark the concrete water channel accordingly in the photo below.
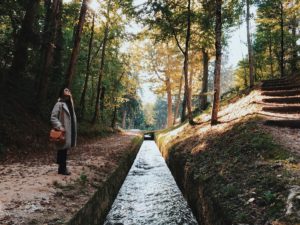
(149, 194)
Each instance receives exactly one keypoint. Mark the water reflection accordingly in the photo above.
(149, 194)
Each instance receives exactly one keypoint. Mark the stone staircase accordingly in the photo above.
(281, 99)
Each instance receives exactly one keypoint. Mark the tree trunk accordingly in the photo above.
(46, 39)
(114, 92)
(250, 55)
(217, 71)
(114, 119)
(102, 97)
(183, 111)
(271, 54)
(101, 72)
(169, 100)
(245, 78)
(294, 48)
(281, 41)
(88, 65)
(93, 93)
(186, 66)
(57, 58)
(50, 33)
(203, 94)
(75, 51)
(191, 77)
(25, 37)
(178, 101)
(124, 119)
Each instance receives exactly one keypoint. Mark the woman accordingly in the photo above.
(63, 118)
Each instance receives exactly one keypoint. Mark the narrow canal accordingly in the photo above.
(149, 195)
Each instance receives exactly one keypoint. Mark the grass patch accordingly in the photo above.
(85, 130)
(83, 178)
(269, 197)
(239, 164)
(136, 140)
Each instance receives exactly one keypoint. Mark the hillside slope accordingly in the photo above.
(239, 171)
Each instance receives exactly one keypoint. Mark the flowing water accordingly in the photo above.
(149, 195)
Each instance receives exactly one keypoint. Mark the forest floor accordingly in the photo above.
(251, 170)
(33, 193)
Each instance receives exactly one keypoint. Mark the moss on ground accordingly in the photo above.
(247, 173)
(85, 130)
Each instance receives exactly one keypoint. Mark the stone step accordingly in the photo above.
(282, 83)
(282, 109)
(281, 87)
(286, 100)
(295, 124)
(278, 80)
(282, 93)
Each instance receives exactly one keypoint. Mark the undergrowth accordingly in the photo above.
(245, 171)
(85, 130)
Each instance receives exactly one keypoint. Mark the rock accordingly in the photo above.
(251, 200)
(277, 165)
(58, 193)
(292, 204)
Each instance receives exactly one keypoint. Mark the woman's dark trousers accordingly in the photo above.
(62, 161)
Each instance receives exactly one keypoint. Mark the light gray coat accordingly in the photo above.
(57, 123)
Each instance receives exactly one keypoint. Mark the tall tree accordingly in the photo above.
(88, 67)
(295, 36)
(177, 104)
(53, 11)
(58, 51)
(217, 71)
(167, 18)
(77, 38)
(204, 89)
(270, 53)
(249, 43)
(186, 65)
(205, 34)
(101, 70)
(281, 39)
(163, 61)
(25, 37)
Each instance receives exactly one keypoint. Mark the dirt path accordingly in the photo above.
(287, 137)
(33, 193)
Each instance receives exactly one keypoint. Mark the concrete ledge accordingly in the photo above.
(204, 207)
(95, 210)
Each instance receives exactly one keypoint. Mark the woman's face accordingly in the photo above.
(67, 92)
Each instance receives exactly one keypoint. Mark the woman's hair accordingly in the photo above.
(61, 92)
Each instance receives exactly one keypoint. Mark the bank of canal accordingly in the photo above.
(149, 194)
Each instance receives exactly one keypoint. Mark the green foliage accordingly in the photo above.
(237, 165)
(269, 197)
(83, 178)
(230, 190)
(267, 41)
(120, 78)
(241, 217)
(160, 113)
(87, 131)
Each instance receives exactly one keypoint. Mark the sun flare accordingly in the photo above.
(94, 5)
